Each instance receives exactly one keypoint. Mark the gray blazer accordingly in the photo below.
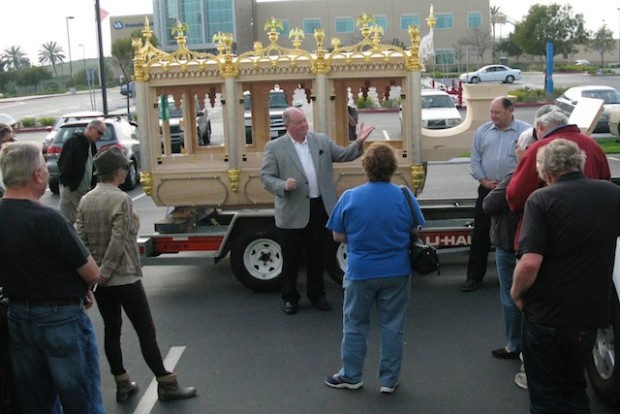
(280, 162)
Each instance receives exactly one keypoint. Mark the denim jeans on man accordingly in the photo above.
(505, 261)
(554, 360)
(391, 295)
(55, 359)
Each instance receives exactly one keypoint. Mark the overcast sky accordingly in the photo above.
(31, 23)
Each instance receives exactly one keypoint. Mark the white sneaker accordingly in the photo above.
(521, 380)
(389, 390)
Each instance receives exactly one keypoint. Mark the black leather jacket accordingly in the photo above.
(72, 161)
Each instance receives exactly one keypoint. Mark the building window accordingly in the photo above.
(204, 18)
(344, 25)
(407, 20)
(444, 21)
(444, 57)
(310, 25)
(192, 12)
(219, 17)
(381, 21)
(474, 20)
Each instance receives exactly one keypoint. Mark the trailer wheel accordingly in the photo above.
(602, 366)
(256, 260)
(336, 261)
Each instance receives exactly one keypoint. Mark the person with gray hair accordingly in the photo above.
(47, 274)
(75, 167)
(563, 278)
(6, 135)
(551, 123)
(503, 228)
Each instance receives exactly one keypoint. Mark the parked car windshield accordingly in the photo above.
(276, 100)
(609, 96)
(437, 101)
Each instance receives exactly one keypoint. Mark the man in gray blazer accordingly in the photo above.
(297, 169)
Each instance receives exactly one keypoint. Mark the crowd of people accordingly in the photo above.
(535, 183)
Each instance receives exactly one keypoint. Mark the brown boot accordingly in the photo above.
(124, 387)
(168, 389)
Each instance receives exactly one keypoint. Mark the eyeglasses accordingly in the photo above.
(100, 132)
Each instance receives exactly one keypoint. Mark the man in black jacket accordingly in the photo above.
(76, 168)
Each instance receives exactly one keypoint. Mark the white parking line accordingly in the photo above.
(613, 158)
(138, 196)
(149, 398)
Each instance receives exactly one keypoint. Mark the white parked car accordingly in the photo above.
(438, 110)
(492, 73)
(609, 95)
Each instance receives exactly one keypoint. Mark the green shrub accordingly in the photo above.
(527, 95)
(47, 121)
(364, 103)
(28, 122)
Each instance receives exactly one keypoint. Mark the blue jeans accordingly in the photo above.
(505, 261)
(55, 359)
(554, 360)
(391, 296)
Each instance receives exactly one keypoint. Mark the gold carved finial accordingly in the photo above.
(147, 33)
(364, 21)
(413, 61)
(271, 27)
(233, 177)
(146, 181)
(296, 34)
(418, 177)
(179, 29)
(431, 20)
(319, 36)
(335, 43)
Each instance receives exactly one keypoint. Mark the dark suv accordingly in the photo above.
(119, 132)
(277, 105)
(175, 116)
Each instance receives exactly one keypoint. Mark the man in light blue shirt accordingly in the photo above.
(492, 157)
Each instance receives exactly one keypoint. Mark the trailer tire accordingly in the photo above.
(336, 261)
(256, 260)
(603, 373)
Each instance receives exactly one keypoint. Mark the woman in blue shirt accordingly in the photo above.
(375, 221)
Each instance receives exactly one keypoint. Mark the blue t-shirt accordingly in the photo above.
(377, 221)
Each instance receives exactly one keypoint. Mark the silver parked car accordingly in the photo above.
(119, 132)
(492, 73)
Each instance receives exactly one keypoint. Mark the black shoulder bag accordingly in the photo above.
(424, 258)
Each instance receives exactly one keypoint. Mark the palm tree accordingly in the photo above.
(51, 53)
(15, 58)
(497, 17)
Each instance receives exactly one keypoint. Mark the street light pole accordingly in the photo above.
(83, 58)
(619, 36)
(67, 18)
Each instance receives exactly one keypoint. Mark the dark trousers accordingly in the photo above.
(314, 240)
(554, 360)
(480, 240)
(133, 300)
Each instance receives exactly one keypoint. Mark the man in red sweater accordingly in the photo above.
(551, 123)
